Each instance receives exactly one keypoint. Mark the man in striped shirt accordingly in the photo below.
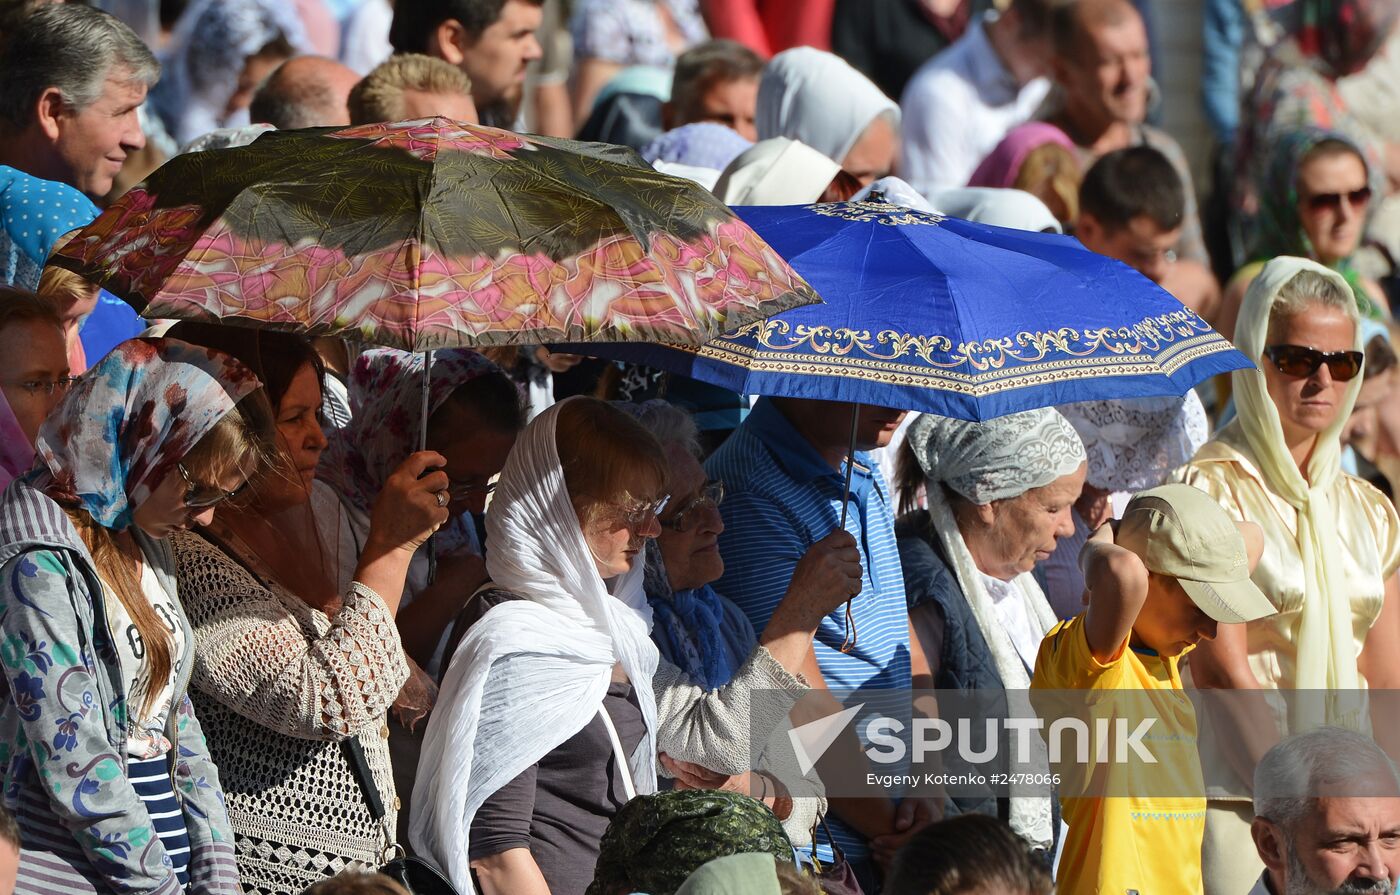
(784, 468)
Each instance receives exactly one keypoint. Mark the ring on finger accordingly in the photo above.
(441, 498)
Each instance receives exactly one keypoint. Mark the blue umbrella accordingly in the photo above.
(945, 316)
(940, 315)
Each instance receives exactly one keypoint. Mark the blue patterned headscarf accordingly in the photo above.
(34, 213)
(124, 425)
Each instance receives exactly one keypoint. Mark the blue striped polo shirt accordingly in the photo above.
(781, 496)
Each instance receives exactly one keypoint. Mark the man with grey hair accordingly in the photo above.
(1327, 816)
(71, 81)
(305, 91)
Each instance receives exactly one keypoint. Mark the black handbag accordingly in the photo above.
(414, 874)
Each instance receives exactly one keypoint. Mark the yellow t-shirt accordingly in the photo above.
(1148, 842)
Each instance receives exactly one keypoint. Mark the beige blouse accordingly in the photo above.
(1366, 521)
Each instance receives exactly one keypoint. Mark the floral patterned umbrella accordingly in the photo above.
(434, 234)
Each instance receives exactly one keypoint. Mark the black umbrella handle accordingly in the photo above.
(423, 446)
(848, 642)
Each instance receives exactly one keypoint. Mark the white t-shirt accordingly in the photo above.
(145, 731)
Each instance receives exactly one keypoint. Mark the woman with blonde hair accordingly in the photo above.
(1332, 542)
(106, 767)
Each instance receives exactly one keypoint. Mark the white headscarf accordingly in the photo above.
(1016, 209)
(1134, 444)
(532, 672)
(984, 462)
(776, 172)
(208, 49)
(1326, 649)
(817, 98)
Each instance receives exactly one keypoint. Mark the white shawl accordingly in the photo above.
(817, 98)
(997, 460)
(532, 672)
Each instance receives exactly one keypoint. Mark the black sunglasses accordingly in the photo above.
(1297, 360)
(199, 497)
(1333, 201)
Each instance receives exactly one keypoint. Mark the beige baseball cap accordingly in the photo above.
(1180, 532)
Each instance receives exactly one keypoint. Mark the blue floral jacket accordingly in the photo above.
(63, 725)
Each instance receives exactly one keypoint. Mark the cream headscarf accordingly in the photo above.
(1326, 650)
(817, 98)
(532, 672)
(984, 462)
(776, 172)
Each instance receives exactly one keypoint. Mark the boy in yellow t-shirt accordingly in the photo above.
(1175, 568)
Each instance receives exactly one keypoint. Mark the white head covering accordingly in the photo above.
(776, 172)
(208, 49)
(1016, 209)
(984, 462)
(819, 99)
(532, 672)
(1326, 649)
(1133, 444)
(896, 192)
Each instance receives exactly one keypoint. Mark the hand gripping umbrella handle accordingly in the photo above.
(848, 642)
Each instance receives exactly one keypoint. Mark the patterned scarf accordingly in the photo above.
(124, 425)
(655, 842)
(1278, 227)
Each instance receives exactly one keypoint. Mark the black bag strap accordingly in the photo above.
(359, 767)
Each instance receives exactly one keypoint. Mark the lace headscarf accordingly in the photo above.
(983, 462)
(1134, 444)
(1326, 652)
(532, 672)
(208, 49)
(124, 425)
(817, 98)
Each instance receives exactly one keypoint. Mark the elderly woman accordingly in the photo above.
(36, 376)
(1000, 494)
(556, 702)
(106, 767)
(1332, 542)
(817, 98)
(293, 617)
(706, 635)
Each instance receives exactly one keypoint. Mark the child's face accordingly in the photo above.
(1170, 622)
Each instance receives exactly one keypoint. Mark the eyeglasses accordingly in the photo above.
(194, 500)
(1300, 361)
(711, 495)
(47, 386)
(1333, 201)
(640, 514)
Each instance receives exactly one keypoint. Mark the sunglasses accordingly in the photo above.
(1333, 201)
(1302, 362)
(199, 497)
(640, 514)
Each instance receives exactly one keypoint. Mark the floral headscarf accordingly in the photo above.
(1329, 31)
(1279, 227)
(386, 400)
(656, 842)
(124, 425)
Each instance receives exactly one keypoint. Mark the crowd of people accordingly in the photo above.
(257, 637)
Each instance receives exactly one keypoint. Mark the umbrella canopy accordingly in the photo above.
(433, 234)
(929, 313)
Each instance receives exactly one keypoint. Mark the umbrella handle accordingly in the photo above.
(423, 446)
(848, 642)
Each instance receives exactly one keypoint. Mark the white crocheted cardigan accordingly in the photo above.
(277, 685)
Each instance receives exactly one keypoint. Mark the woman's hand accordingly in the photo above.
(416, 699)
(411, 505)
